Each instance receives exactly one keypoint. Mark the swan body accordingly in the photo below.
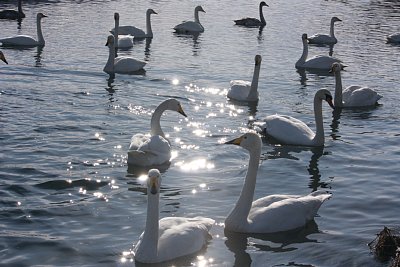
(169, 237)
(13, 14)
(124, 41)
(324, 38)
(291, 131)
(394, 38)
(253, 22)
(25, 40)
(136, 32)
(354, 95)
(191, 26)
(3, 58)
(317, 62)
(270, 214)
(153, 149)
(244, 90)
(120, 64)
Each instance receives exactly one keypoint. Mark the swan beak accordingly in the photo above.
(180, 110)
(153, 187)
(329, 100)
(235, 141)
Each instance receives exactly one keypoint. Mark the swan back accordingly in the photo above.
(394, 38)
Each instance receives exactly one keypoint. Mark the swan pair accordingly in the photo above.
(291, 131)
(13, 14)
(134, 31)
(245, 90)
(25, 40)
(191, 27)
(173, 237)
(322, 39)
(154, 149)
(322, 63)
(2, 57)
(354, 95)
(123, 65)
(253, 22)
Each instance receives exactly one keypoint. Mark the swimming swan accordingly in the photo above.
(170, 237)
(354, 95)
(274, 213)
(324, 38)
(291, 131)
(191, 26)
(138, 33)
(394, 38)
(124, 41)
(13, 14)
(317, 62)
(153, 149)
(253, 22)
(3, 58)
(25, 40)
(244, 90)
(120, 64)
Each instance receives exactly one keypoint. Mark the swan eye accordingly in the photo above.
(328, 97)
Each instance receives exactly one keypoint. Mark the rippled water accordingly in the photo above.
(67, 198)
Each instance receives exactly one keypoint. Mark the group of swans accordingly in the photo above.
(253, 22)
(26, 40)
(13, 14)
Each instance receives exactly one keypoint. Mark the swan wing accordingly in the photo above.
(286, 213)
(180, 236)
(322, 39)
(148, 151)
(19, 40)
(320, 62)
(128, 65)
(357, 96)
(288, 130)
(248, 22)
(189, 26)
(125, 41)
(239, 89)
(129, 30)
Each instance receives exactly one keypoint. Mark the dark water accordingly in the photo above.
(67, 198)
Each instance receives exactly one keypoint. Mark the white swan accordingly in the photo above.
(25, 40)
(253, 22)
(124, 41)
(274, 213)
(291, 131)
(3, 58)
(169, 237)
(13, 14)
(244, 90)
(136, 32)
(120, 64)
(316, 62)
(394, 38)
(354, 95)
(153, 149)
(191, 26)
(324, 38)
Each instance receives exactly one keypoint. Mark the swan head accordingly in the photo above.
(248, 141)
(304, 37)
(40, 15)
(116, 16)
(175, 105)
(110, 41)
(324, 94)
(335, 19)
(263, 4)
(336, 67)
(151, 11)
(3, 58)
(257, 60)
(199, 8)
(153, 181)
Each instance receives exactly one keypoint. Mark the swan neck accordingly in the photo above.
(155, 120)
(39, 31)
(110, 62)
(262, 19)
(149, 31)
(150, 235)
(332, 31)
(254, 83)
(20, 7)
(338, 101)
(304, 56)
(238, 216)
(196, 16)
(116, 32)
(319, 137)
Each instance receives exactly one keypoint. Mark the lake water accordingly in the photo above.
(67, 196)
